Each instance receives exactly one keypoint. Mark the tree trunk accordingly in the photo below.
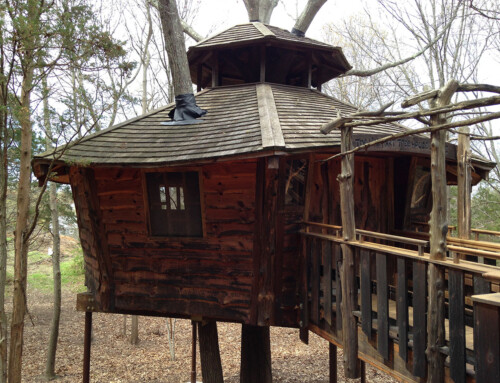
(306, 17)
(175, 46)
(260, 10)
(3, 223)
(21, 234)
(4, 143)
(211, 366)
(255, 355)
(56, 252)
(438, 230)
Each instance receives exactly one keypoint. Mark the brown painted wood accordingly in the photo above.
(382, 306)
(486, 342)
(87, 341)
(366, 293)
(402, 308)
(457, 325)
(481, 285)
(419, 329)
(193, 352)
(255, 355)
(304, 335)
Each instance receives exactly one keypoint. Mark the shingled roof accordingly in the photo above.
(241, 119)
(250, 32)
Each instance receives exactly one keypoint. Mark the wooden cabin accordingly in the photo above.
(202, 220)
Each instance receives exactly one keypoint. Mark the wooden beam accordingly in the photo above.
(215, 69)
(263, 63)
(464, 184)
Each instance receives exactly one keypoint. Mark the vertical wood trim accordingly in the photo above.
(193, 352)
(257, 242)
(100, 243)
(464, 184)
(338, 292)
(382, 306)
(402, 308)
(457, 325)
(409, 193)
(266, 298)
(272, 135)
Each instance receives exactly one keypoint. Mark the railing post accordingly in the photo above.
(487, 337)
(348, 277)
(438, 231)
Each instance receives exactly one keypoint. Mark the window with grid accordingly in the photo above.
(174, 204)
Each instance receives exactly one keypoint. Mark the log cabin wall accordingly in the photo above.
(209, 276)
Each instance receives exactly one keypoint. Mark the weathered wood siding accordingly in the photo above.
(209, 276)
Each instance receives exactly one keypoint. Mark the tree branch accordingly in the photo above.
(371, 72)
(306, 17)
(428, 129)
(188, 30)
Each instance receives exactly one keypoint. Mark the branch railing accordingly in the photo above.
(392, 305)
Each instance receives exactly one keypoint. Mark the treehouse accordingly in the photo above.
(202, 218)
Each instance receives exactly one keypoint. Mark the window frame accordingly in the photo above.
(147, 205)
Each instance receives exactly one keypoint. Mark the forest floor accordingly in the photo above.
(115, 360)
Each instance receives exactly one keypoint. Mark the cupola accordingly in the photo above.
(256, 52)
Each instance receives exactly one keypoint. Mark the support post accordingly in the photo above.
(347, 276)
(86, 346)
(193, 352)
(438, 227)
(255, 354)
(211, 366)
(333, 363)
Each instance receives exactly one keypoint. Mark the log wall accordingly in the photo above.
(209, 276)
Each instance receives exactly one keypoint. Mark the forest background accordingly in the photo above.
(72, 67)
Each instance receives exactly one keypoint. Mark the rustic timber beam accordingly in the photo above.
(348, 267)
(438, 230)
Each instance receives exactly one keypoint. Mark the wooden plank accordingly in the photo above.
(327, 281)
(457, 325)
(87, 346)
(382, 306)
(366, 293)
(419, 330)
(486, 342)
(402, 308)
(315, 280)
(270, 125)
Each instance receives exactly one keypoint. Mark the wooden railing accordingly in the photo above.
(391, 275)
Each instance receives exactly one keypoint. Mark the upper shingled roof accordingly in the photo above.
(254, 31)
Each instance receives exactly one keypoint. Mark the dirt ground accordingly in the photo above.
(114, 360)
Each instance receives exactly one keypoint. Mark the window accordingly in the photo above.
(174, 204)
